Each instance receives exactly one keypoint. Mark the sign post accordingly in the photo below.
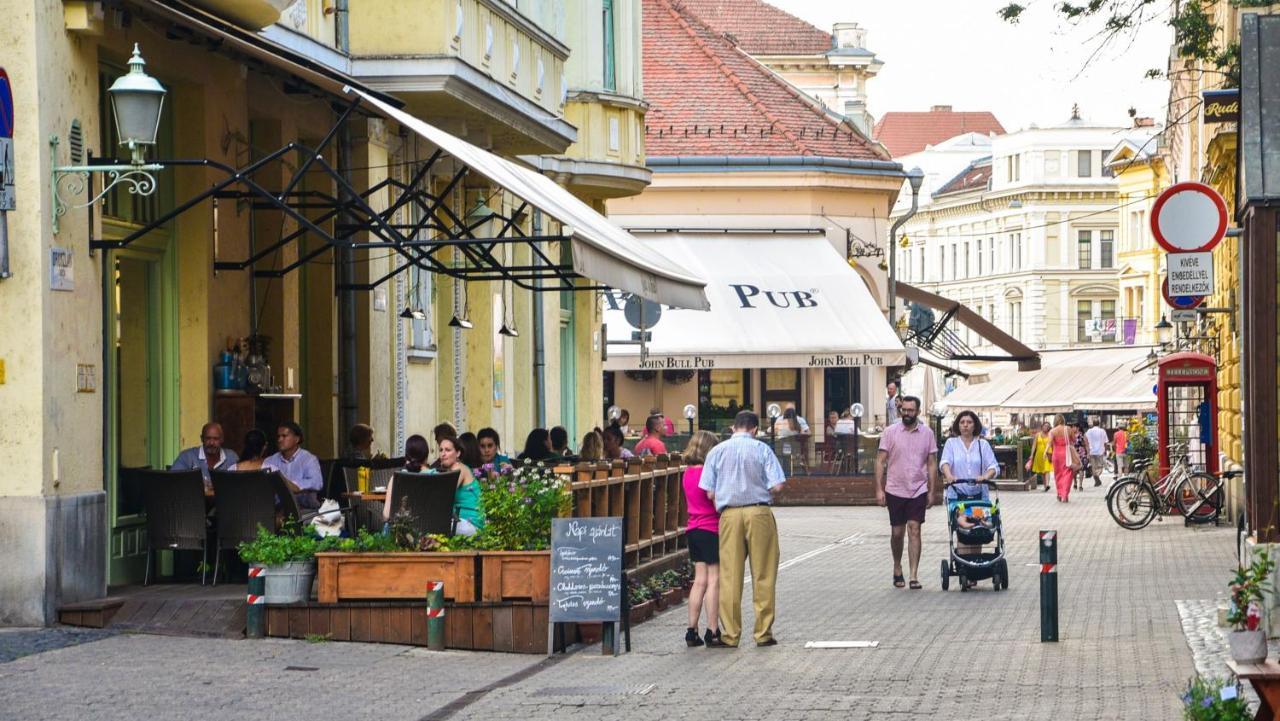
(1188, 220)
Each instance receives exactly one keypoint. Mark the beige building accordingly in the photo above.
(1027, 238)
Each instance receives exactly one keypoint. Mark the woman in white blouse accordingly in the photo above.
(966, 457)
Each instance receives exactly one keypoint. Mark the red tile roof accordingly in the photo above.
(906, 133)
(760, 28)
(708, 97)
(977, 175)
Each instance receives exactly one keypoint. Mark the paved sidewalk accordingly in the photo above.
(1123, 652)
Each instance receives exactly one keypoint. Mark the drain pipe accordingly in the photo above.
(539, 340)
(341, 30)
(348, 394)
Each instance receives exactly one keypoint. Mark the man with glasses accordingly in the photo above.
(209, 454)
(299, 467)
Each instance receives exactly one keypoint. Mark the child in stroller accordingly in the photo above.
(973, 522)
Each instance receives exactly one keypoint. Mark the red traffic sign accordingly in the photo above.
(1180, 302)
(1189, 218)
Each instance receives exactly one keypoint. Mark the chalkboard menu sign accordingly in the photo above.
(586, 569)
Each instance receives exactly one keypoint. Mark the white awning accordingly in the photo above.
(1093, 379)
(601, 250)
(785, 300)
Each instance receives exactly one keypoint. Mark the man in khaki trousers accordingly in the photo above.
(741, 475)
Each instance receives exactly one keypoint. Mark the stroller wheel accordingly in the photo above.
(1000, 578)
(946, 575)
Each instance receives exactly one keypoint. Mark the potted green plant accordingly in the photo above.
(1204, 700)
(287, 559)
(641, 602)
(1248, 640)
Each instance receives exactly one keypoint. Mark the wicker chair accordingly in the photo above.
(245, 500)
(174, 503)
(429, 498)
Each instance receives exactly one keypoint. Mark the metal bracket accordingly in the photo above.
(137, 178)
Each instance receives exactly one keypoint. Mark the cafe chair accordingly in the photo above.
(244, 500)
(428, 497)
(174, 504)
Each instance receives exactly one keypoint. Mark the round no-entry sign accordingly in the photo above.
(1180, 302)
(1189, 218)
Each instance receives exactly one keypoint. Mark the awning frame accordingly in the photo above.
(356, 215)
(945, 342)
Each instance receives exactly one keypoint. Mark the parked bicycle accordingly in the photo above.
(1134, 501)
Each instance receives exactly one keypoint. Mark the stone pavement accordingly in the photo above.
(1123, 653)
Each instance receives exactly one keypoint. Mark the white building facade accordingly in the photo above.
(1027, 238)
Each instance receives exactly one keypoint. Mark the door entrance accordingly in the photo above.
(841, 388)
(140, 426)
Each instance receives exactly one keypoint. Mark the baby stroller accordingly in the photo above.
(973, 519)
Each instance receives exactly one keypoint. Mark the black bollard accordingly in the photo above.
(255, 622)
(1048, 586)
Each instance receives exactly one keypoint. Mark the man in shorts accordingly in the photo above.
(1096, 437)
(907, 484)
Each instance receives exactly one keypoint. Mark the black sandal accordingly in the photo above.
(915, 585)
(899, 581)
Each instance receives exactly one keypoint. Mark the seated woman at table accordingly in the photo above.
(592, 447)
(491, 447)
(469, 445)
(466, 499)
(253, 452)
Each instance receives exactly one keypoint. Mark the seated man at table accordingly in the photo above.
(300, 467)
(209, 454)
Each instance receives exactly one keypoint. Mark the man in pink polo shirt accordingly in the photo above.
(907, 483)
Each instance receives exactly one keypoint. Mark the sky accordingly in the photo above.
(960, 53)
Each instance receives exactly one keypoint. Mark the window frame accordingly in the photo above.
(1084, 249)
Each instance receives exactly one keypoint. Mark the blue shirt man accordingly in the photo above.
(741, 475)
(209, 454)
(300, 467)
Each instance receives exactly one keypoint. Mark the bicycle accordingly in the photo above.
(1134, 501)
(1206, 507)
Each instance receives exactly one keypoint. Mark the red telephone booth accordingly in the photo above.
(1187, 409)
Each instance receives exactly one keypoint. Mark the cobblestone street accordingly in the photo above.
(1123, 654)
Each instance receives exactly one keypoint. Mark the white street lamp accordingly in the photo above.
(137, 100)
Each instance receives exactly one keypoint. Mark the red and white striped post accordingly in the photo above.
(1048, 586)
(435, 615)
(255, 621)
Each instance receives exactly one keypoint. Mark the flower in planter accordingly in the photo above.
(519, 505)
(1204, 700)
(1246, 587)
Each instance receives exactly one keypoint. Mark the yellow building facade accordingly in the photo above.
(113, 369)
(1141, 176)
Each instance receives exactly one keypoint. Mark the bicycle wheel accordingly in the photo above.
(1132, 504)
(1193, 490)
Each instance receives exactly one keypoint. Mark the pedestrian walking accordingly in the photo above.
(741, 475)
(892, 404)
(1039, 464)
(1096, 438)
(1120, 440)
(1065, 458)
(703, 534)
(1082, 453)
(907, 484)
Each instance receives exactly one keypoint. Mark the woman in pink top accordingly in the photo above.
(703, 533)
(651, 444)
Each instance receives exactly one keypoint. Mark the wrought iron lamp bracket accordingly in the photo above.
(137, 178)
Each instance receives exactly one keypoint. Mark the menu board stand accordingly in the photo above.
(587, 581)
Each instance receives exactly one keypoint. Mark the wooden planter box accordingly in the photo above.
(515, 576)
(394, 576)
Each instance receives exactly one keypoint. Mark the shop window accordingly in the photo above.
(721, 394)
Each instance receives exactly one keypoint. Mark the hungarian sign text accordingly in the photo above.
(1190, 274)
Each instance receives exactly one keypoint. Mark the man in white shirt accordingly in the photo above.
(1096, 437)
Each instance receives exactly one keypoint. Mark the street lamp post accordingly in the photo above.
(773, 411)
(690, 412)
(916, 177)
(856, 411)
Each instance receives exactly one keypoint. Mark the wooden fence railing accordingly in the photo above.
(647, 493)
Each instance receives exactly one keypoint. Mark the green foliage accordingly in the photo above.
(1202, 701)
(519, 506)
(364, 542)
(1247, 591)
(318, 637)
(1196, 35)
(271, 549)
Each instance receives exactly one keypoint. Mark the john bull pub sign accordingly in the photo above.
(709, 362)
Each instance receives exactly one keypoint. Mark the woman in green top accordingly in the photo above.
(467, 505)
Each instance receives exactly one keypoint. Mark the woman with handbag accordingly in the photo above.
(1039, 464)
(1065, 460)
